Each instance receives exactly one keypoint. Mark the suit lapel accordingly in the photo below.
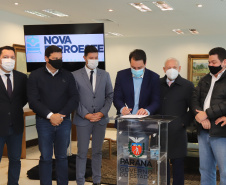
(130, 85)
(143, 86)
(98, 79)
(15, 83)
(86, 79)
(2, 86)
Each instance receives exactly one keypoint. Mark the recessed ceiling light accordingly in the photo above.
(163, 5)
(199, 5)
(194, 31)
(103, 20)
(16, 4)
(54, 12)
(141, 7)
(178, 31)
(110, 10)
(36, 13)
(115, 34)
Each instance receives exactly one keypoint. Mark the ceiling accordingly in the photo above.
(128, 21)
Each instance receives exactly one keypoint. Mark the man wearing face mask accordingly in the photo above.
(136, 88)
(91, 117)
(176, 93)
(52, 96)
(209, 106)
(136, 91)
(12, 99)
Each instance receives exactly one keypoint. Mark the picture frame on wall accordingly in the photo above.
(197, 67)
(20, 64)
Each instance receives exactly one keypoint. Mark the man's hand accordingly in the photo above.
(89, 116)
(94, 117)
(206, 124)
(126, 111)
(56, 119)
(99, 114)
(221, 119)
(142, 112)
(201, 116)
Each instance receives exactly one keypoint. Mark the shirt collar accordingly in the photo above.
(53, 74)
(88, 70)
(167, 80)
(219, 75)
(3, 72)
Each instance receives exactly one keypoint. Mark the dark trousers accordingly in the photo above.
(14, 143)
(178, 171)
(57, 138)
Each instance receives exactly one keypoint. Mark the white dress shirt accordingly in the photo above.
(94, 76)
(53, 74)
(4, 78)
(209, 95)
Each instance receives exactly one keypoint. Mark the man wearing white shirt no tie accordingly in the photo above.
(209, 106)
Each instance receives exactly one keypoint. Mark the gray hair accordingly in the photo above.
(171, 58)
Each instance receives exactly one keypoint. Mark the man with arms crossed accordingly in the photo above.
(12, 100)
(91, 117)
(209, 105)
(52, 96)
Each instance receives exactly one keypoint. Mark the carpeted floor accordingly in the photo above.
(109, 173)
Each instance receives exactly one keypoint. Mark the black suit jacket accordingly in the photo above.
(11, 109)
(175, 101)
(149, 94)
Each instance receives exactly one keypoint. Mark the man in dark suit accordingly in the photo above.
(176, 95)
(52, 96)
(136, 91)
(12, 100)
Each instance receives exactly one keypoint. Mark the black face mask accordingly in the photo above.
(57, 64)
(214, 70)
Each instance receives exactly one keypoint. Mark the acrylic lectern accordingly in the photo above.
(142, 150)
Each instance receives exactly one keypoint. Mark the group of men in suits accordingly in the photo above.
(53, 93)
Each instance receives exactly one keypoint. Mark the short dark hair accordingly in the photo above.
(90, 49)
(52, 49)
(221, 52)
(7, 48)
(138, 54)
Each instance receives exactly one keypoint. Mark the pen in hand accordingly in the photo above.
(128, 109)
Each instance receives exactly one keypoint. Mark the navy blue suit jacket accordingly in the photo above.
(149, 93)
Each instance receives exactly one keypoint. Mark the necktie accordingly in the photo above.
(9, 85)
(91, 77)
(169, 83)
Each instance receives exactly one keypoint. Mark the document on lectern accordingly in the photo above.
(133, 116)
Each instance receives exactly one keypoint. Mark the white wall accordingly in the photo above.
(11, 28)
(158, 49)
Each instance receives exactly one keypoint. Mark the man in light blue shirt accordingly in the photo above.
(137, 91)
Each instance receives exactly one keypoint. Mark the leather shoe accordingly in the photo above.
(96, 184)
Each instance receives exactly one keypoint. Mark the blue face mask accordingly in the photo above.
(137, 73)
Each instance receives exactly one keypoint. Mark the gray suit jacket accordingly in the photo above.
(100, 100)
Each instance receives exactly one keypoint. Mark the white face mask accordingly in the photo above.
(92, 64)
(172, 74)
(8, 64)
